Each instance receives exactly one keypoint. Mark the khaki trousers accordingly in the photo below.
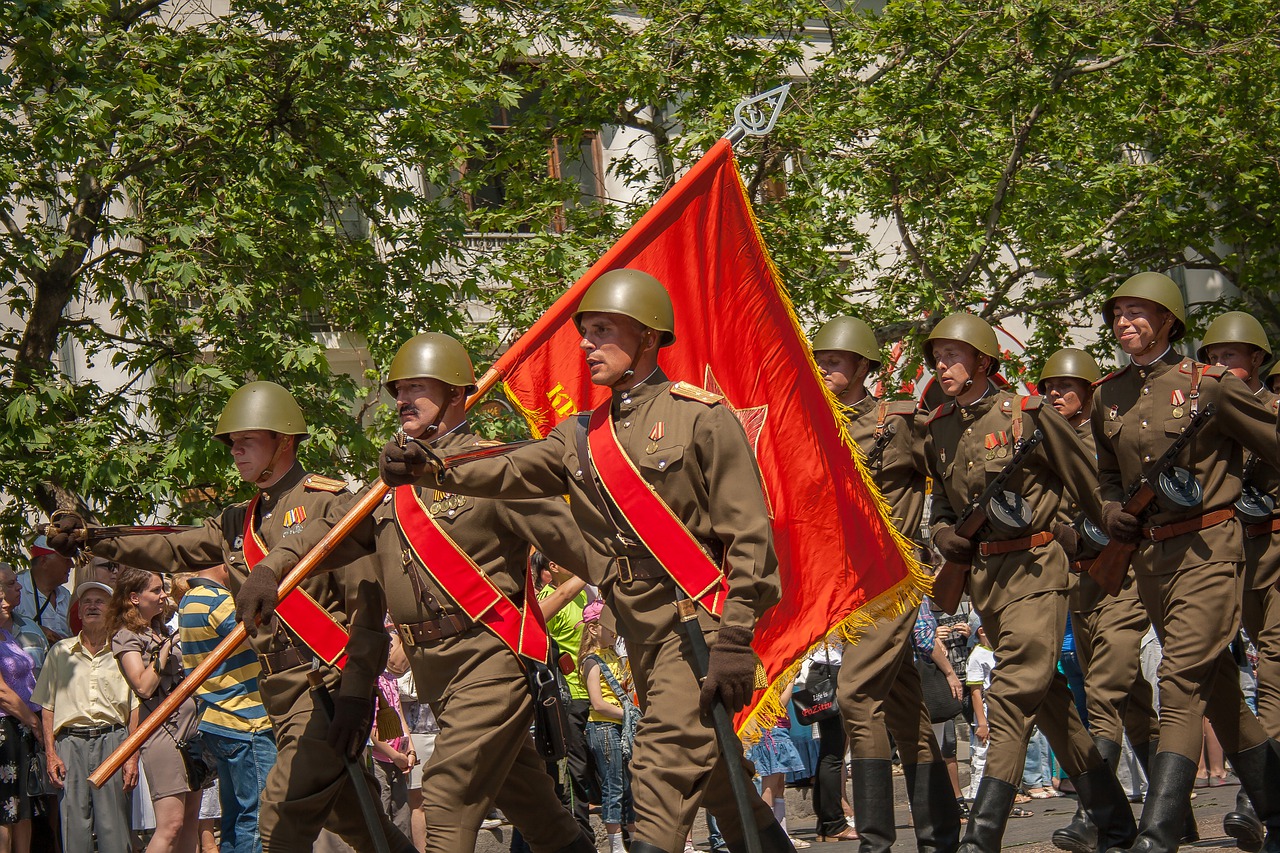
(1109, 647)
(1261, 614)
(676, 765)
(879, 694)
(308, 787)
(483, 755)
(1027, 689)
(1196, 613)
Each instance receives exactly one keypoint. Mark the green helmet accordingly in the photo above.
(1234, 327)
(1071, 363)
(966, 328)
(432, 355)
(634, 294)
(848, 334)
(1273, 373)
(260, 405)
(1158, 288)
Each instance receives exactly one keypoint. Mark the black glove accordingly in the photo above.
(257, 599)
(1068, 537)
(65, 534)
(731, 671)
(1120, 525)
(953, 547)
(352, 721)
(402, 466)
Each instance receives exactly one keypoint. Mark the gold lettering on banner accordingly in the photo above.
(561, 402)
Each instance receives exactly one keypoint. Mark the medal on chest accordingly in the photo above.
(655, 435)
(292, 522)
(1176, 399)
(445, 504)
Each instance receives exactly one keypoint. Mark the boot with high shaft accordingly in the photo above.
(1259, 772)
(1164, 813)
(934, 809)
(988, 816)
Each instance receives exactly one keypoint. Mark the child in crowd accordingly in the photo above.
(394, 756)
(608, 681)
(775, 755)
(982, 661)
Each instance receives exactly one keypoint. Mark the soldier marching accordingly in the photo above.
(446, 555)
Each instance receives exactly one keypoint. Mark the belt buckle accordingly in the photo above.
(265, 662)
(406, 635)
(983, 550)
(625, 574)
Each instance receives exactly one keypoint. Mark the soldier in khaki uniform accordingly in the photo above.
(879, 687)
(1237, 341)
(694, 454)
(467, 670)
(1188, 557)
(1108, 630)
(308, 787)
(1019, 580)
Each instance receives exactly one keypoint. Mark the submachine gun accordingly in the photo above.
(994, 502)
(1177, 485)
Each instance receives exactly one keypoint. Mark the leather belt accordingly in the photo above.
(289, 658)
(632, 569)
(91, 731)
(1262, 528)
(1080, 567)
(1188, 525)
(1007, 546)
(433, 630)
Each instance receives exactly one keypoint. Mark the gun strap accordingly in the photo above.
(1194, 396)
(882, 414)
(1017, 421)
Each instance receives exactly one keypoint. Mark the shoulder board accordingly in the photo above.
(1216, 372)
(1112, 375)
(689, 391)
(317, 483)
(941, 412)
(906, 408)
(1030, 404)
(486, 442)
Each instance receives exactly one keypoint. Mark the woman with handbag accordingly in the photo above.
(20, 767)
(151, 661)
(609, 731)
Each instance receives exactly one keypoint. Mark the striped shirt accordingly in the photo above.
(230, 703)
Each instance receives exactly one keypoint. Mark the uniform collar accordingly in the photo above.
(648, 388)
(866, 404)
(454, 438)
(981, 405)
(1170, 358)
(292, 477)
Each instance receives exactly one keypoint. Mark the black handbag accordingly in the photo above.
(550, 718)
(938, 698)
(201, 772)
(816, 700)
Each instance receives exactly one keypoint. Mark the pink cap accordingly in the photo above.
(591, 613)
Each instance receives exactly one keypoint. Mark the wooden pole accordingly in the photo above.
(188, 686)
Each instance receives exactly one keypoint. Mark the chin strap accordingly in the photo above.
(267, 472)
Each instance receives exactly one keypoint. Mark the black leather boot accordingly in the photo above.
(934, 809)
(1243, 824)
(988, 816)
(872, 780)
(642, 847)
(1081, 835)
(1104, 801)
(1164, 813)
(1259, 772)
(1190, 830)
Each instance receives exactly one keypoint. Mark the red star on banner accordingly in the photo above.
(752, 419)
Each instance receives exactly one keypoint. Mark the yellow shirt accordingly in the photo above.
(83, 689)
(621, 673)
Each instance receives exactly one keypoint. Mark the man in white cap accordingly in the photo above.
(44, 597)
(88, 710)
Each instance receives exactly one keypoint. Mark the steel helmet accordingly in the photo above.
(1273, 373)
(848, 334)
(260, 405)
(1234, 327)
(634, 294)
(1158, 288)
(1072, 363)
(966, 328)
(432, 355)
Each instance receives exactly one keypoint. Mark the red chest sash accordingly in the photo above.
(666, 537)
(303, 614)
(465, 582)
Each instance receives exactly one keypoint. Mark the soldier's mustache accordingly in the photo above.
(408, 410)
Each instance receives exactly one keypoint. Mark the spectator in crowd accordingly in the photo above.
(19, 725)
(774, 756)
(44, 599)
(26, 633)
(151, 659)
(982, 662)
(233, 722)
(608, 681)
(422, 733)
(394, 756)
(86, 710)
(98, 569)
(829, 777)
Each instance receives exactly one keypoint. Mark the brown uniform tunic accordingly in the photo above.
(473, 681)
(1108, 632)
(1021, 596)
(308, 787)
(703, 468)
(1261, 600)
(879, 687)
(1189, 584)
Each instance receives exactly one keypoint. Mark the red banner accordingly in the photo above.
(737, 335)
